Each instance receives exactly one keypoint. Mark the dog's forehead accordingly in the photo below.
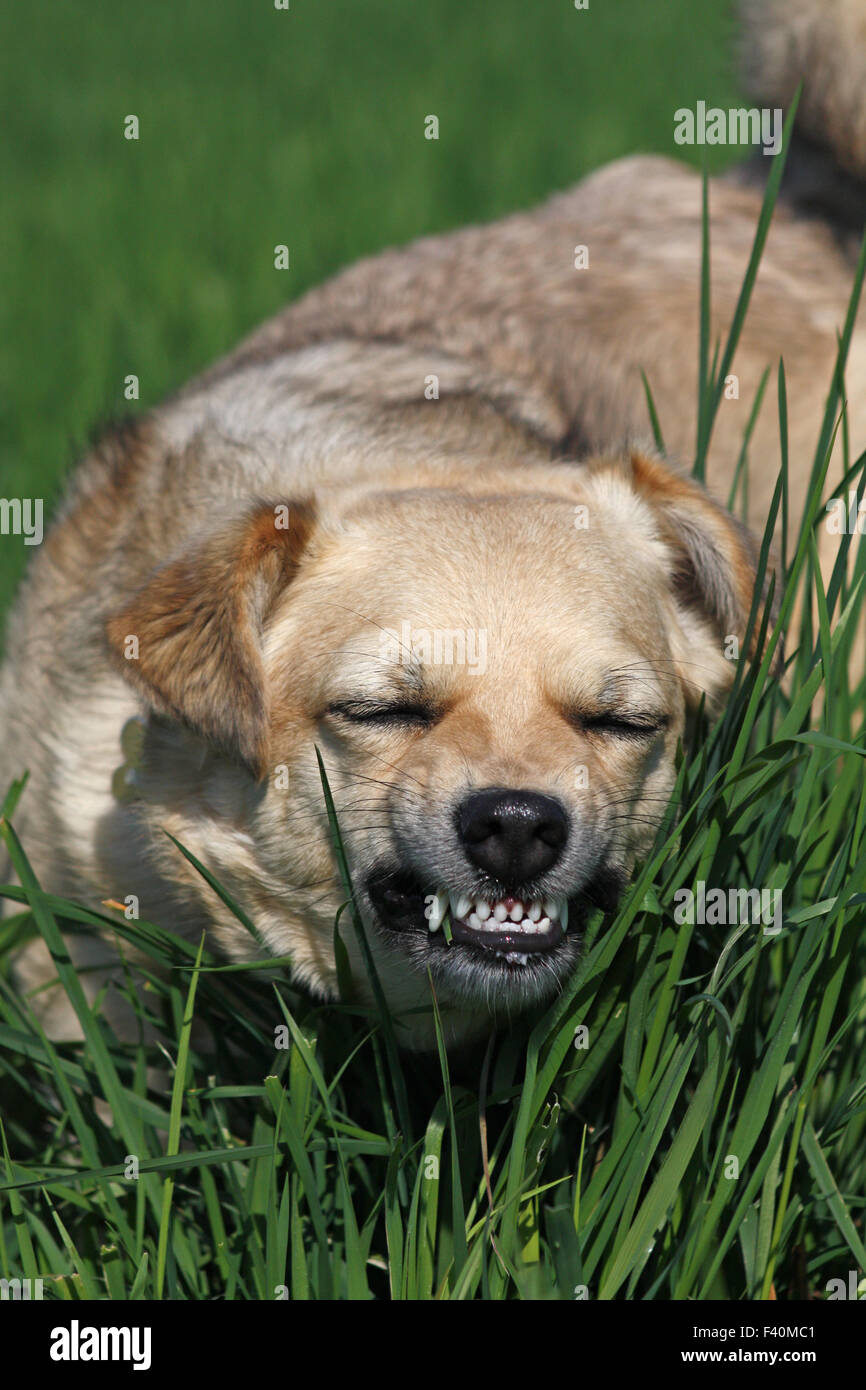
(501, 580)
(423, 532)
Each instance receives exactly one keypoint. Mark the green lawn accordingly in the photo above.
(259, 127)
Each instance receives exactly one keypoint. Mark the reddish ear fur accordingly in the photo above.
(716, 557)
(712, 571)
(198, 627)
(714, 553)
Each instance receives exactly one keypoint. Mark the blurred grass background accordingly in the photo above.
(261, 126)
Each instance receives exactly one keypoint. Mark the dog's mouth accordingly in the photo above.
(513, 930)
(506, 925)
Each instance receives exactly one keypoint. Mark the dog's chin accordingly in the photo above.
(500, 951)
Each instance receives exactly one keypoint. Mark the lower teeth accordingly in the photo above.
(526, 927)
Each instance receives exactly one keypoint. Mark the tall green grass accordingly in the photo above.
(705, 1137)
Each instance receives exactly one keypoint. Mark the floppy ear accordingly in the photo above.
(713, 573)
(198, 624)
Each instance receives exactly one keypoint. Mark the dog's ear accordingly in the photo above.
(713, 572)
(191, 639)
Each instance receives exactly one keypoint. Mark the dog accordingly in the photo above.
(406, 524)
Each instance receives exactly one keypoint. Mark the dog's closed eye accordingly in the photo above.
(630, 724)
(403, 713)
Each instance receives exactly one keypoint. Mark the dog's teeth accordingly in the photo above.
(460, 905)
(438, 908)
(516, 958)
(529, 919)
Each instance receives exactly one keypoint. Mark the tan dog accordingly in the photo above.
(368, 530)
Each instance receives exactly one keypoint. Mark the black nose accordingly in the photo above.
(512, 835)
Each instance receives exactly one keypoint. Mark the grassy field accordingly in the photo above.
(710, 1140)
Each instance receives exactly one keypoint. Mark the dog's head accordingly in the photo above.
(496, 678)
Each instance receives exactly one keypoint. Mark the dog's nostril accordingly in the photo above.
(512, 835)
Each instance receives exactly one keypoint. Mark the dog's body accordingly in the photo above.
(397, 454)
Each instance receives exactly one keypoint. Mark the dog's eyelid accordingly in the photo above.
(372, 711)
(632, 723)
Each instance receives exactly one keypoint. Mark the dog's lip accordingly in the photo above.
(512, 939)
(399, 899)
